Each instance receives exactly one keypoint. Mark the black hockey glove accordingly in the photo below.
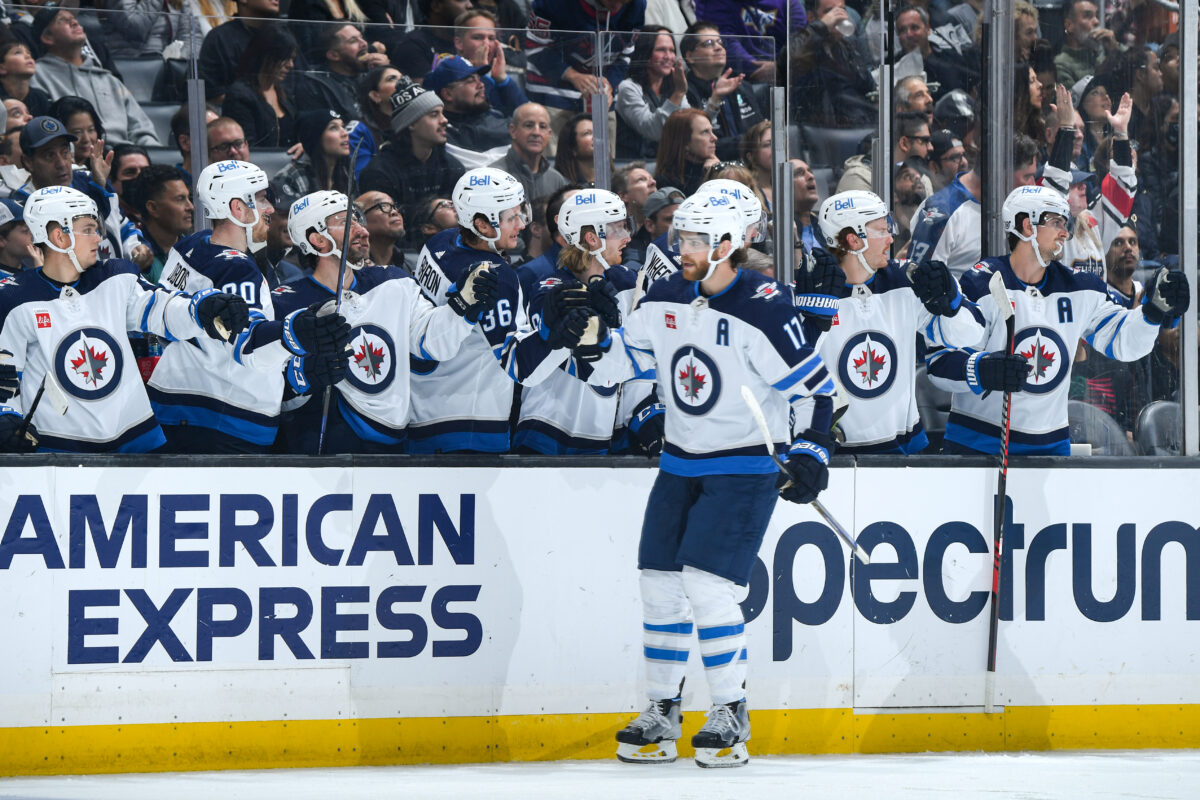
(646, 425)
(478, 294)
(818, 277)
(998, 372)
(565, 314)
(312, 372)
(222, 315)
(1166, 297)
(12, 439)
(602, 296)
(594, 342)
(308, 331)
(935, 287)
(808, 465)
(10, 380)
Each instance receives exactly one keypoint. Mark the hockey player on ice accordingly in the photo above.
(705, 332)
(206, 400)
(562, 415)
(1054, 307)
(68, 321)
(390, 321)
(464, 404)
(873, 307)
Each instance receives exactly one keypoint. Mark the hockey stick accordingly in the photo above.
(757, 412)
(1005, 308)
(56, 397)
(337, 306)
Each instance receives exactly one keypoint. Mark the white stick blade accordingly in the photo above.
(55, 396)
(1000, 295)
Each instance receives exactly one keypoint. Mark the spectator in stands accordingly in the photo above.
(223, 46)
(310, 18)
(17, 113)
(1136, 71)
(475, 40)
(658, 213)
(325, 164)
(1094, 106)
(714, 88)
(12, 175)
(1158, 177)
(182, 136)
(17, 69)
(1027, 103)
(81, 121)
(64, 70)
(16, 244)
(633, 183)
(575, 155)
(526, 160)
(474, 124)
(413, 165)
(543, 266)
(375, 90)
(912, 94)
(1086, 43)
(135, 28)
(831, 72)
(910, 187)
(46, 154)
(257, 98)
(164, 204)
(346, 57)
(805, 200)
(756, 31)
(432, 216)
(910, 137)
(279, 260)
(128, 160)
(385, 224)
(1025, 30)
(686, 149)
(947, 158)
(1168, 64)
(226, 141)
(947, 54)
(655, 89)
(1042, 61)
(758, 154)
(562, 67)
(414, 52)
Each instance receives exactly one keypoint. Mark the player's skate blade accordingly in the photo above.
(654, 753)
(711, 757)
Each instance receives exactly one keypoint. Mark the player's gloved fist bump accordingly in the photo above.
(222, 315)
(816, 283)
(935, 287)
(10, 380)
(1167, 297)
(478, 294)
(808, 463)
(602, 296)
(312, 372)
(998, 372)
(647, 425)
(565, 315)
(11, 439)
(594, 342)
(315, 329)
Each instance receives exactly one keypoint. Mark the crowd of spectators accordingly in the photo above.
(350, 94)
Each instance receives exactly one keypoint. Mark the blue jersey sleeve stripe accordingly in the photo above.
(149, 308)
(806, 366)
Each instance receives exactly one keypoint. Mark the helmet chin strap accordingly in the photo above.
(69, 252)
(1037, 251)
(863, 259)
(712, 265)
(252, 245)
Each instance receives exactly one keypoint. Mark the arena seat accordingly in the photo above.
(830, 147)
(164, 155)
(160, 114)
(270, 159)
(1092, 425)
(1159, 429)
(933, 405)
(140, 75)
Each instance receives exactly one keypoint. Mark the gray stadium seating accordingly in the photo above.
(160, 114)
(830, 147)
(1159, 429)
(1093, 426)
(140, 75)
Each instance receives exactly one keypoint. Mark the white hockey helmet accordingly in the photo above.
(488, 191)
(61, 205)
(714, 218)
(221, 182)
(600, 209)
(311, 213)
(747, 202)
(854, 210)
(1035, 202)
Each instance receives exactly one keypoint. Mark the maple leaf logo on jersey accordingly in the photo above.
(285, 289)
(692, 382)
(369, 359)
(870, 364)
(767, 291)
(10, 281)
(88, 365)
(1041, 359)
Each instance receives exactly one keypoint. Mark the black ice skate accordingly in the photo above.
(650, 739)
(722, 740)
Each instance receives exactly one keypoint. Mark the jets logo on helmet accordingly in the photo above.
(489, 192)
(59, 205)
(594, 208)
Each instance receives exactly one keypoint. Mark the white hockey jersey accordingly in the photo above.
(871, 349)
(76, 335)
(231, 388)
(1050, 319)
(703, 350)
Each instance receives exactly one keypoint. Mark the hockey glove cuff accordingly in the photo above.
(12, 439)
(222, 315)
(1166, 298)
(10, 378)
(997, 371)
(936, 288)
(808, 465)
(602, 297)
(478, 294)
(647, 425)
(309, 331)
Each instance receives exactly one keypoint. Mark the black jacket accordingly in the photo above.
(479, 131)
(319, 89)
(739, 112)
(395, 170)
(219, 55)
(257, 118)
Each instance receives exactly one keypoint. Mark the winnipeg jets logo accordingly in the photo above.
(867, 365)
(88, 363)
(767, 291)
(372, 359)
(1046, 352)
(695, 381)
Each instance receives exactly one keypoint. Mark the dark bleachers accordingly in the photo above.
(830, 147)
(140, 75)
(160, 114)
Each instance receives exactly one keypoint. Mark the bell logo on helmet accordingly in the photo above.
(733, 192)
(843, 205)
(485, 180)
(718, 201)
(583, 199)
(226, 166)
(300, 206)
(51, 190)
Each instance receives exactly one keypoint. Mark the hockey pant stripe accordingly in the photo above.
(666, 632)
(723, 658)
(664, 654)
(674, 627)
(722, 632)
